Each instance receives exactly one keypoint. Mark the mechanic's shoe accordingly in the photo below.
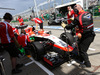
(82, 66)
(87, 64)
(15, 71)
(19, 66)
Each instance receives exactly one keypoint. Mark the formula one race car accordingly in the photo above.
(49, 48)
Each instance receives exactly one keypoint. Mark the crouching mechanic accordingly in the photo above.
(38, 21)
(8, 41)
(24, 41)
(84, 21)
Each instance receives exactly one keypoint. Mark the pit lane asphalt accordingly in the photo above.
(34, 68)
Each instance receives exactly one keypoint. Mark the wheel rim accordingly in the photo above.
(68, 39)
(63, 37)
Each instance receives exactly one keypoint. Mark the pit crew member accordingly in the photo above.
(24, 41)
(21, 22)
(71, 14)
(38, 21)
(8, 41)
(84, 21)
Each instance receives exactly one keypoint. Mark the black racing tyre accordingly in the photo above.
(37, 50)
(68, 38)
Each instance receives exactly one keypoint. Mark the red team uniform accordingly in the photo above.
(39, 21)
(21, 21)
(72, 15)
(15, 31)
(6, 33)
(23, 39)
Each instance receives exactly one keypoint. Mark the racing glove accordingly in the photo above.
(71, 19)
(22, 52)
(63, 24)
(32, 38)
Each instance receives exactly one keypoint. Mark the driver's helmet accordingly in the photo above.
(23, 31)
(33, 28)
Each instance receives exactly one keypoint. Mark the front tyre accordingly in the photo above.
(37, 50)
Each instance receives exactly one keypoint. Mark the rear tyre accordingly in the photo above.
(37, 51)
(68, 38)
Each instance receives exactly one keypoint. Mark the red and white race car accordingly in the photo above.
(51, 49)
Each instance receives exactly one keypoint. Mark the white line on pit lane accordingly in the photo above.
(29, 63)
(91, 49)
(40, 65)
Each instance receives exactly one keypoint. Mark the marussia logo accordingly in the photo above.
(88, 16)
